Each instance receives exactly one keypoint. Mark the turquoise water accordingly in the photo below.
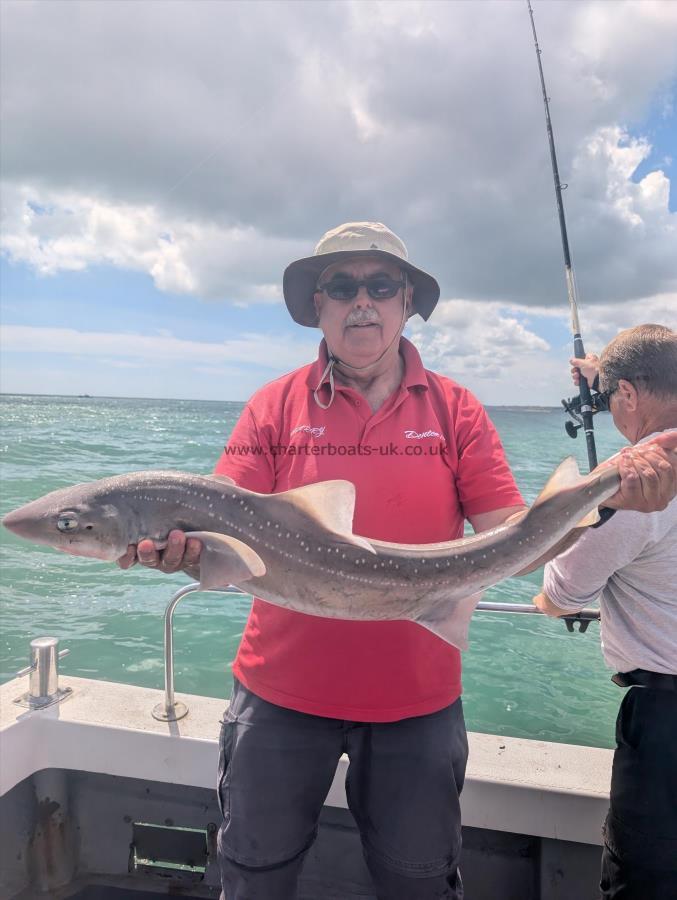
(524, 676)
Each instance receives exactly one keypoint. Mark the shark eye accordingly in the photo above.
(67, 522)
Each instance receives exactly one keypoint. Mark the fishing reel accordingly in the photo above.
(599, 402)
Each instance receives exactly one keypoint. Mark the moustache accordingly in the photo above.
(362, 317)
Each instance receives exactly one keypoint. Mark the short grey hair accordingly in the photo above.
(646, 356)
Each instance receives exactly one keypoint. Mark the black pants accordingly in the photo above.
(639, 860)
(403, 784)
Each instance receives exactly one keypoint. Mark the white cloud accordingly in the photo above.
(465, 336)
(60, 231)
(602, 322)
(492, 349)
(209, 144)
(495, 350)
(604, 169)
(251, 349)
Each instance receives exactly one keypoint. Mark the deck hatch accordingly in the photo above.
(171, 850)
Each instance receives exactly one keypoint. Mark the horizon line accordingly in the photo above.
(204, 400)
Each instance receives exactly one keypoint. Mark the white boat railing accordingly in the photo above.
(170, 710)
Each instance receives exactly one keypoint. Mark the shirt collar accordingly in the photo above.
(414, 373)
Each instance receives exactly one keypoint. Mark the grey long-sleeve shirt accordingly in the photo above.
(630, 563)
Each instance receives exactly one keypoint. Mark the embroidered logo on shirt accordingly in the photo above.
(314, 431)
(417, 435)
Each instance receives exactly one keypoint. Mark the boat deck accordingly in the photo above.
(78, 779)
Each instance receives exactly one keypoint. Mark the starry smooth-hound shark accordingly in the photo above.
(297, 548)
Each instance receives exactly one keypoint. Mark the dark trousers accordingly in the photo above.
(639, 860)
(403, 784)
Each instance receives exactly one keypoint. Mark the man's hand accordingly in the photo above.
(180, 553)
(648, 475)
(544, 603)
(588, 367)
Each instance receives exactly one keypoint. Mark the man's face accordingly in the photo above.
(359, 330)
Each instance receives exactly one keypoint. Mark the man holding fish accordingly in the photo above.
(346, 655)
(631, 566)
(308, 689)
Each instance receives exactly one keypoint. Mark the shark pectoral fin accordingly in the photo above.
(332, 505)
(451, 620)
(225, 560)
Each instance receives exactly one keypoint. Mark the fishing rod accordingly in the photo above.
(584, 617)
(583, 407)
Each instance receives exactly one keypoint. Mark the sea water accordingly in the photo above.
(524, 675)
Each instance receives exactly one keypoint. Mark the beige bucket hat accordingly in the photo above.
(350, 240)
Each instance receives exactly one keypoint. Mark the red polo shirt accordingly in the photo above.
(422, 463)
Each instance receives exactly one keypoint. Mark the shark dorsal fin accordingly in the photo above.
(566, 476)
(332, 505)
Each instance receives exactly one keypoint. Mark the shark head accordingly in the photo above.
(73, 520)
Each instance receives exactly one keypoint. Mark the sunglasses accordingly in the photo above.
(601, 400)
(379, 287)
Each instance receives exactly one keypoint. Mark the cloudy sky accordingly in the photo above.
(163, 161)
